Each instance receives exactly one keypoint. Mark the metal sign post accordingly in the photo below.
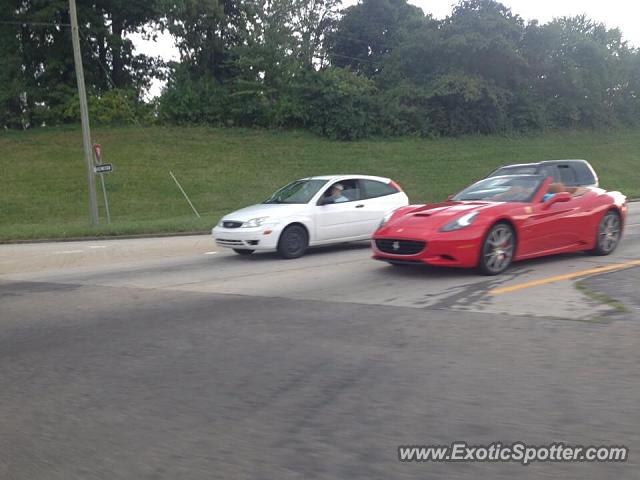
(102, 168)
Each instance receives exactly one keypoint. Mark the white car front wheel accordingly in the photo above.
(293, 242)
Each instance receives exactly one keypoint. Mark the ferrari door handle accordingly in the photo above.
(360, 206)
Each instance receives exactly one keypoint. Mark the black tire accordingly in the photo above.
(243, 252)
(498, 248)
(293, 242)
(608, 234)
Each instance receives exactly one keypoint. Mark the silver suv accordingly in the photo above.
(572, 173)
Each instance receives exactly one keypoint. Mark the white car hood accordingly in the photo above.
(275, 211)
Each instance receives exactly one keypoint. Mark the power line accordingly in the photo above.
(97, 58)
(68, 25)
(109, 78)
(36, 24)
(372, 62)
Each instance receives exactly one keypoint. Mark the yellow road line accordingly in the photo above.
(568, 276)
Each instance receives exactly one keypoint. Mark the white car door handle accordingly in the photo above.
(360, 205)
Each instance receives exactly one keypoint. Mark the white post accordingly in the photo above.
(184, 193)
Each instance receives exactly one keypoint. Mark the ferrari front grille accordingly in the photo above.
(400, 247)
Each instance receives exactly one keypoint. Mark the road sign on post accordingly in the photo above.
(101, 168)
(97, 151)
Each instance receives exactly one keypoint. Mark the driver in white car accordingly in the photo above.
(336, 194)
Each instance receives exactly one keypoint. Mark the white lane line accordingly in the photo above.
(97, 246)
(210, 253)
(64, 252)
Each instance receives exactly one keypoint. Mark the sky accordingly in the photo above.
(623, 14)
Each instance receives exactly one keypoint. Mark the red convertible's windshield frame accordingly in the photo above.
(508, 188)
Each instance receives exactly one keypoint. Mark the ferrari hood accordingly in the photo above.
(432, 216)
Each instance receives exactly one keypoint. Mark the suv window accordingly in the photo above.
(521, 170)
(550, 171)
(374, 189)
(584, 174)
(567, 175)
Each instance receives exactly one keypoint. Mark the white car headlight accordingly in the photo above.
(254, 222)
(460, 222)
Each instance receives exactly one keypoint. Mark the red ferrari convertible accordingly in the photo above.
(503, 219)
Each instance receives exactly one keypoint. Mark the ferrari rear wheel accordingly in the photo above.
(497, 249)
(609, 232)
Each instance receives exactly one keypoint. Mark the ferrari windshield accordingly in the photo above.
(300, 191)
(516, 188)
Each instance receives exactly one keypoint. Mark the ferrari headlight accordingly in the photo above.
(460, 222)
(254, 222)
(386, 218)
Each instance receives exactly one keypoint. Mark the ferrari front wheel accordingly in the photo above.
(609, 232)
(497, 249)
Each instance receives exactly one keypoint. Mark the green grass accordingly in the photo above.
(615, 305)
(43, 183)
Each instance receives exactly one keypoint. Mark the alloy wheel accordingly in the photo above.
(609, 233)
(498, 249)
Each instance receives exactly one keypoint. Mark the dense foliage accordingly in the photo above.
(380, 67)
(37, 77)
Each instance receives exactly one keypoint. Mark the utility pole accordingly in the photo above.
(84, 113)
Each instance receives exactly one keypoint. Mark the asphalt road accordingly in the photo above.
(170, 358)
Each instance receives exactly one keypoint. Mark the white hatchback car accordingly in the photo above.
(311, 211)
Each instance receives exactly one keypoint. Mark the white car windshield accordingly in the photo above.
(516, 188)
(300, 191)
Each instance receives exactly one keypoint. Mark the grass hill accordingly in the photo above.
(43, 181)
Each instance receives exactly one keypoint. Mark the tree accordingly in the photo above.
(41, 54)
(12, 81)
(369, 31)
(577, 71)
(464, 71)
(114, 20)
(205, 32)
(482, 37)
(249, 60)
